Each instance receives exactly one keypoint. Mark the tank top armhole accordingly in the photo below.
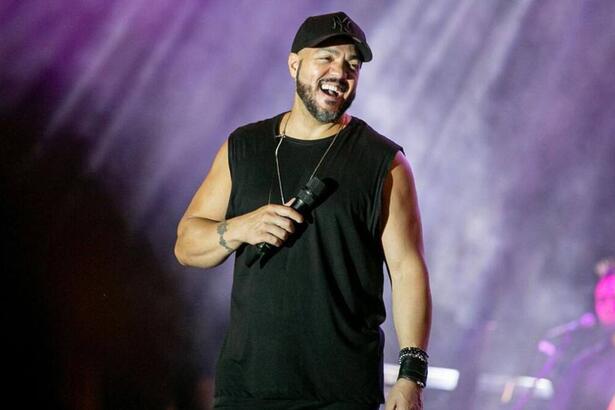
(385, 167)
(231, 158)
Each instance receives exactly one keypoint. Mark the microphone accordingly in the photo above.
(585, 321)
(304, 202)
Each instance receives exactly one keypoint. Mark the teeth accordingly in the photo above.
(331, 88)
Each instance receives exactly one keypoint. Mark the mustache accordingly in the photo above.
(341, 83)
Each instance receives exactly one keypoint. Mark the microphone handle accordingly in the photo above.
(264, 247)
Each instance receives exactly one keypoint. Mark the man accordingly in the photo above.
(304, 331)
(587, 378)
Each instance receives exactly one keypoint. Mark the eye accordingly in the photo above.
(354, 66)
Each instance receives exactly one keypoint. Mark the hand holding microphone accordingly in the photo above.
(305, 200)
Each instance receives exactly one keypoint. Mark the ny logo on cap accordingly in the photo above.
(341, 24)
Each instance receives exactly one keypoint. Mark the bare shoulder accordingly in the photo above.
(211, 198)
(400, 169)
(399, 190)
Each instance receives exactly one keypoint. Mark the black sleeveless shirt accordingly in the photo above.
(305, 325)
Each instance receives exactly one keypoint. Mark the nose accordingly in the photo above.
(339, 68)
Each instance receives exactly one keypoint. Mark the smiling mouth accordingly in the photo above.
(333, 89)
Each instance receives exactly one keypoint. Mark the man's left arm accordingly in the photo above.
(403, 248)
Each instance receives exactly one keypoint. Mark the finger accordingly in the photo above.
(289, 202)
(271, 239)
(277, 231)
(284, 223)
(287, 212)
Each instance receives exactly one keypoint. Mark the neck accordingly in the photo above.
(300, 124)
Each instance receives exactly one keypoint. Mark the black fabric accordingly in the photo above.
(305, 326)
(228, 403)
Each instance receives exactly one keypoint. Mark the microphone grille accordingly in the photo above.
(315, 186)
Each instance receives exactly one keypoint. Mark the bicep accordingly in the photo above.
(211, 199)
(401, 224)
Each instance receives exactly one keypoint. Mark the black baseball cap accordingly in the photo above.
(316, 29)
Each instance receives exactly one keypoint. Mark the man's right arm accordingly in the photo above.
(205, 239)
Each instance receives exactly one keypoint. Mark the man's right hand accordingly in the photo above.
(270, 223)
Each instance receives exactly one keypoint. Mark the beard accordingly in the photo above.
(309, 100)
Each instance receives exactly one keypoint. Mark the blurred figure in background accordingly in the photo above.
(587, 381)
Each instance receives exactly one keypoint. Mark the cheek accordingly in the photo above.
(353, 85)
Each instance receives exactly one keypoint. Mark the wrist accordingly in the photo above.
(413, 365)
(227, 235)
(408, 383)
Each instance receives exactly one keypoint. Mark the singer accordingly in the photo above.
(584, 379)
(305, 324)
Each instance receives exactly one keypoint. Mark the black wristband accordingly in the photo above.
(413, 352)
(413, 365)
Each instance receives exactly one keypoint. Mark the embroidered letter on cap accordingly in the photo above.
(341, 24)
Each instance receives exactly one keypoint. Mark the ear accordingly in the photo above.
(293, 64)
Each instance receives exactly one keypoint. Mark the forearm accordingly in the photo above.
(411, 300)
(205, 243)
(412, 318)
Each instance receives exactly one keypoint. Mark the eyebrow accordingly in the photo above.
(337, 53)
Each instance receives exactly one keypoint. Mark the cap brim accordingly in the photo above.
(366, 52)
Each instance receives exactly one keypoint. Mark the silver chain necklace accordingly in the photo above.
(277, 163)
